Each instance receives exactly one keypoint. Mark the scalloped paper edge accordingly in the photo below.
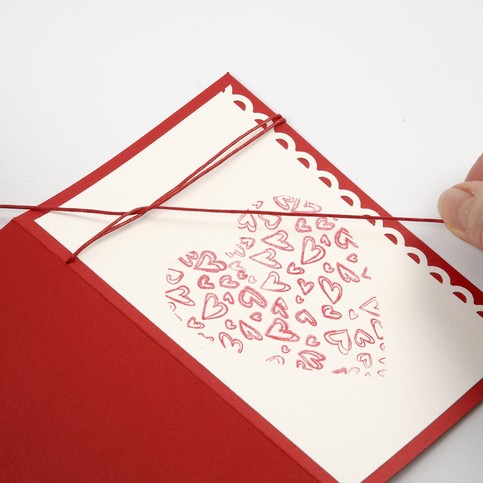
(417, 255)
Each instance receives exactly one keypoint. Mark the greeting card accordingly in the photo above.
(339, 347)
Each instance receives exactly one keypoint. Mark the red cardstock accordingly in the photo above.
(93, 391)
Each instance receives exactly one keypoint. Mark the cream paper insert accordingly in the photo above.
(327, 328)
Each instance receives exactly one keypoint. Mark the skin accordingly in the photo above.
(461, 207)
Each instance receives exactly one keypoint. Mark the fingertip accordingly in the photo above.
(440, 203)
(476, 172)
(453, 206)
(461, 208)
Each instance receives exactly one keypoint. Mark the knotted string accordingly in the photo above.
(133, 215)
(126, 217)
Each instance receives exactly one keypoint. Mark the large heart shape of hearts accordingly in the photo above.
(293, 291)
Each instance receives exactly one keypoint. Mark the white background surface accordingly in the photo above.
(389, 91)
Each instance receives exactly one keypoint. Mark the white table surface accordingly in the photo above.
(390, 91)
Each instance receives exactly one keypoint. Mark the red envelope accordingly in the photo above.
(92, 390)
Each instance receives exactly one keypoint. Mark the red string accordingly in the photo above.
(311, 214)
(130, 216)
(124, 218)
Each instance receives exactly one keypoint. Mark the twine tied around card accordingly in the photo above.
(126, 217)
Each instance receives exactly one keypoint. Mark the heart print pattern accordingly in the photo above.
(293, 291)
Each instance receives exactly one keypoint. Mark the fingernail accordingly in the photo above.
(453, 207)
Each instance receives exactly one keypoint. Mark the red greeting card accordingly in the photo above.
(272, 345)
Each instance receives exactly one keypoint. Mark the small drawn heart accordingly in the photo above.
(292, 269)
(267, 258)
(273, 283)
(329, 313)
(195, 324)
(339, 338)
(228, 297)
(361, 338)
(280, 307)
(286, 202)
(365, 358)
(279, 240)
(204, 282)
(371, 306)
(332, 290)
(241, 273)
(301, 226)
(343, 239)
(312, 358)
(256, 316)
(285, 349)
(323, 224)
(306, 287)
(299, 299)
(279, 331)
(346, 274)
(271, 221)
(173, 276)
(328, 268)
(247, 221)
(249, 296)
(228, 342)
(304, 315)
(249, 332)
(247, 241)
(312, 341)
(352, 314)
(239, 250)
(208, 262)
(352, 258)
(377, 327)
(227, 281)
(311, 252)
(180, 295)
(229, 324)
(213, 308)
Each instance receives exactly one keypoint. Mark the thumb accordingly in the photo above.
(461, 208)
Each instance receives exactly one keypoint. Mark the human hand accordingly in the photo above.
(461, 207)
